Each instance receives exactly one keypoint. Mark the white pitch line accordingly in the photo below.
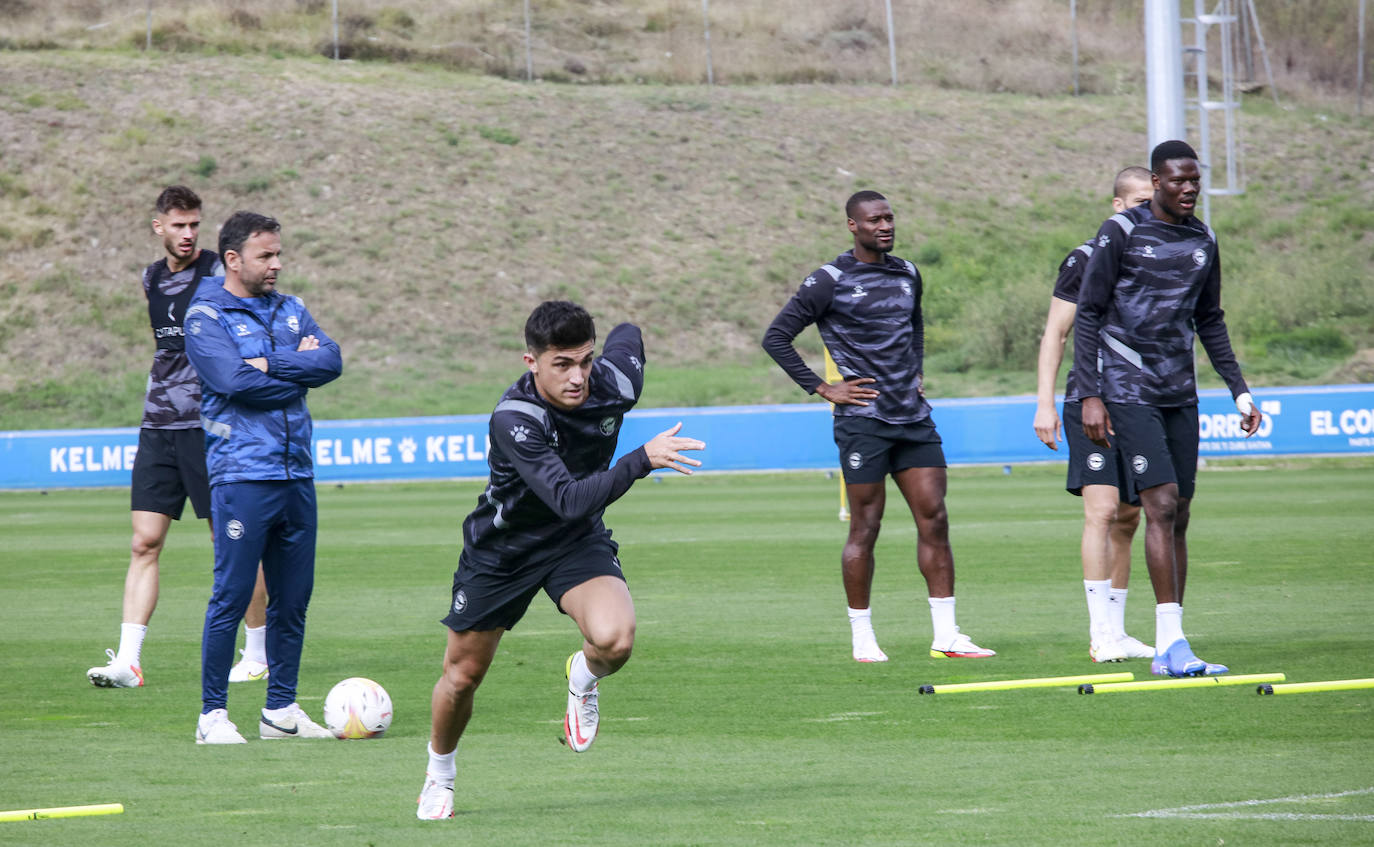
(1201, 810)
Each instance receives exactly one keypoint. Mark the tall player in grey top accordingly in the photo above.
(169, 466)
(867, 306)
(1154, 281)
(1110, 515)
(538, 526)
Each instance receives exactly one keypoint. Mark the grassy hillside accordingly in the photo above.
(426, 210)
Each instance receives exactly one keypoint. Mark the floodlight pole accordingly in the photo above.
(706, 34)
(336, 30)
(1163, 72)
(1073, 28)
(529, 57)
(1359, 68)
(891, 43)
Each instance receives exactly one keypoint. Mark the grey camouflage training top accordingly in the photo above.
(1149, 287)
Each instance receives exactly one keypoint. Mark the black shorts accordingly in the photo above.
(871, 449)
(1090, 464)
(495, 595)
(1158, 445)
(168, 468)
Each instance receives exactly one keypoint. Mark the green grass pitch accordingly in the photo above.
(741, 719)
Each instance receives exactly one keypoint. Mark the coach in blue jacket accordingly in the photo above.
(258, 352)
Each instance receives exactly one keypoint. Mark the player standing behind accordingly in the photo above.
(538, 525)
(1111, 509)
(1154, 281)
(258, 352)
(170, 464)
(867, 306)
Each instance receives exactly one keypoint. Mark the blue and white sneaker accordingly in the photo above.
(1178, 660)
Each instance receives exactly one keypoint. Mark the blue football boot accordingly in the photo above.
(1178, 660)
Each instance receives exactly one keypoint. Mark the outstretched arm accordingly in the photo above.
(1057, 327)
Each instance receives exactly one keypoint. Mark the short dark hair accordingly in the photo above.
(851, 205)
(558, 324)
(1168, 150)
(1124, 178)
(177, 197)
(242, 226)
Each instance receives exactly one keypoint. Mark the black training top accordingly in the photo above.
(1149, 287)
(1066, 288)
(869, 317)
(173, 398)
(551, 478)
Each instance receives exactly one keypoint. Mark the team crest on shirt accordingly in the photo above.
(1139, 464)
(856, 461)
(234, 529)
(1199, 257)
(607, 426)
(460, 601)
(519, 433)
(293, 324)
(1096, 461)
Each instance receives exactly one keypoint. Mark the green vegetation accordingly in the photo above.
(426, 210)
(741, 719)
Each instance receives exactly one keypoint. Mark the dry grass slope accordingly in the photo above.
(426, 210)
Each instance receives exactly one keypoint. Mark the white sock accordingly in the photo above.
(860, 622)
(580, 677)
(442, 767)
(130, 643)
(255, 643)
(1116, 611)
(1168, 625)
(942, 619)
(864, 642)
(1099, 614)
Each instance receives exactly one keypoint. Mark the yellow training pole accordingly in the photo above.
(62, 812)
(1042, 682)
(1306, 687)
(1186, 682)
(832, 375)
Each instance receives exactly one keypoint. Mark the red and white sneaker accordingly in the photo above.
(582, 717)
(116, 674)
(959, 647)
(436, 799)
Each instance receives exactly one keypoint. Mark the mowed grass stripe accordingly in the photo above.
(741, 718)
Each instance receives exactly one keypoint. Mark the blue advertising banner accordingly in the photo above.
(1335, 419)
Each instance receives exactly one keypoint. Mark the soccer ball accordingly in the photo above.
(357, 708)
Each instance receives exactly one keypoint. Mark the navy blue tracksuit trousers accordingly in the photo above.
(273, 522)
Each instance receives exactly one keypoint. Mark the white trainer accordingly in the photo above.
(583, 716)
(214, 727)
(1134, 648)
(290, 722)
(1108, 650)
(117, 674)
(959, 647)
(251, 670)
(436, 799)
(866, 649)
